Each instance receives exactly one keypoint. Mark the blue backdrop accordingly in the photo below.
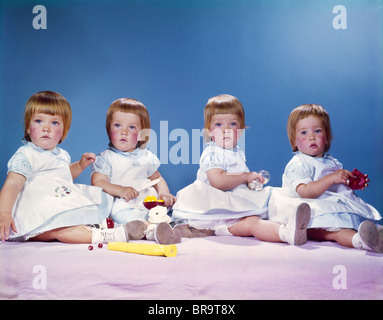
(173, 55)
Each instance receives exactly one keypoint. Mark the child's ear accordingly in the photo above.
(206, 135)
(295, 148)
(26, 135)
(211, 136)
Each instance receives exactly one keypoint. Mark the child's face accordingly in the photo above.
(124, 130)
(46, 130)
(310, 136)
(225, 130)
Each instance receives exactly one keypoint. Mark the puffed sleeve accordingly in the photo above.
(298, 172)
(153, 163)
(213, 157)
(65, 156)
(101, 165)
(19, 164)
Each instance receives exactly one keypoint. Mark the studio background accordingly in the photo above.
(173, 55)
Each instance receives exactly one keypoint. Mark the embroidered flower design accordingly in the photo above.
(62, 191)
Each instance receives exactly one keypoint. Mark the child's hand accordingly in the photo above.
(128, 193)
(341, 176)
(168, 198)
(254, 176)
(6, 222)
(87, 159)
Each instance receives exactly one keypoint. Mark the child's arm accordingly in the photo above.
(315, 189)
(101, 180)
(8, 195)
(224, 181)
(77, 167)
(163, 189)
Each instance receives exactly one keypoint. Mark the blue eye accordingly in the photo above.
(116, 125)
(132, 127)
(55, 123)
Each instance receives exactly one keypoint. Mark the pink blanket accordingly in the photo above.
(204, 268)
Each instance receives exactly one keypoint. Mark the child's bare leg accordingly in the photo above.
(264, 230)
(74, 234)
(343, 237)
(294, 232)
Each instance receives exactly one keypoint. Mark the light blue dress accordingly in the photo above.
(205, 207)
(338, 207)
(128, 169)
(49, 199)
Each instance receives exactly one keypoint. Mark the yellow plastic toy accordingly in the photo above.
(150, 249)
(152, 201)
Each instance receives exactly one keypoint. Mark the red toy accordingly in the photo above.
(359, 180)
(109, 223)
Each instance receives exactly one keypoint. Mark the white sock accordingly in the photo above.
(283, 233)
(150, 232)
(357, 242)
(222, 230)
(96, 235)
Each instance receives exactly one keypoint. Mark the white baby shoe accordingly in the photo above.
(368, 237)
(295, 231)
(119, 234)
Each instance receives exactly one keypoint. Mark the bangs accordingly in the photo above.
(128, 105)
(308, 110)
(226, 109)
(224, 104)
(50, 108)
(142, 113)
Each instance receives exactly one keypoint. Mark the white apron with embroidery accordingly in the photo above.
(50, 200)
(338, 206)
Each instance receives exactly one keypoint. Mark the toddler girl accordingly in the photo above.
(39, 200)
(220, 200)
(337, 213)
(127, 171)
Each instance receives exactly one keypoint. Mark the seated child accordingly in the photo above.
(126, 170)
(315, 177)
